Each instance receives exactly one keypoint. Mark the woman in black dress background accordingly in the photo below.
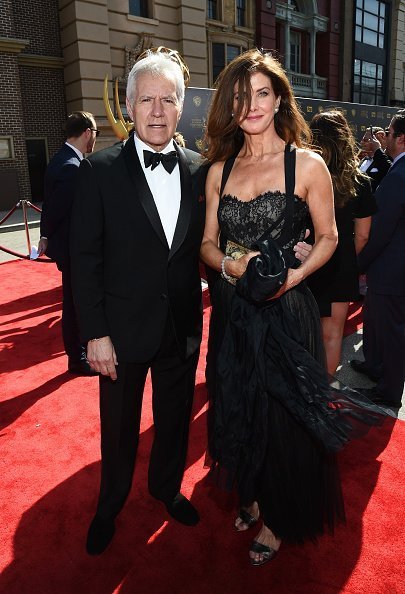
(336, 283)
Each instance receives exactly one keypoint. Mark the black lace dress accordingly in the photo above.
(262, 426)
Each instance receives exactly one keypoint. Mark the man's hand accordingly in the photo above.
(101, 356)
(303, 249)
(374, 143)
(42, 246)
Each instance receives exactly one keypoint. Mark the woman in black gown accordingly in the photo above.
(336, 283)
(274, 423)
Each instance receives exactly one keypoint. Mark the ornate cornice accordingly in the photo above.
(287, 13)
(37, 61)
(12, 45)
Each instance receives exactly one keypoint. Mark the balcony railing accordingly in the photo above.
(308, 85)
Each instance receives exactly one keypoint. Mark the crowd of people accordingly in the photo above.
(275, 421)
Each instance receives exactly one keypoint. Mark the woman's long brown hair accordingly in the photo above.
(223, 137)
(334, 139)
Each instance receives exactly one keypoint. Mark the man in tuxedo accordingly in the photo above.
(137, 227)
(383, 261)
(60, 184)
(376, 163)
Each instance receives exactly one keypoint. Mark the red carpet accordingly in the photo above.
(50, 471)
(354, 319)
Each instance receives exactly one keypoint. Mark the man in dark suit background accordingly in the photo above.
(60, 185)
(137, 227)
(376, 163)
(383, 260)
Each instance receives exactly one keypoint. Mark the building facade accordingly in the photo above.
(55, 55)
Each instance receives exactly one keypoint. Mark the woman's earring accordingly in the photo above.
(276, 110)
(232, 114)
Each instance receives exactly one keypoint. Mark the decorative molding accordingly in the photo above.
(12, 45)
(132, 53)
(37, 61)
(218, 24)
(142, 20)
(247, 31)
(286, 13)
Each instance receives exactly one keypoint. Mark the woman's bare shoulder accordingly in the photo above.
(215, 172)
(308, 156)
(309, 162)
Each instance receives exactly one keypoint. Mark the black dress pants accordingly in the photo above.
(74, 349)
(173, 381)
(384, 342)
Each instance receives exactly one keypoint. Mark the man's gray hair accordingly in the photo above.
(158, 64)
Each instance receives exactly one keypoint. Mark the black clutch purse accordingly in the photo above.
(265, 273)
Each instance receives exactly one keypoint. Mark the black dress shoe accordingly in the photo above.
(373, 395)
(81, 367)
(99, 535)
(182, 510)
(360, 367)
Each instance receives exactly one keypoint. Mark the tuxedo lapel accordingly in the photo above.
(183, 220)
(141, 188)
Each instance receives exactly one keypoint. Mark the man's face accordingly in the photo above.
(155, 110)
(395, 144)
(91, 141)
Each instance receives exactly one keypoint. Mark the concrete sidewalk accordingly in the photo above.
(13, 235)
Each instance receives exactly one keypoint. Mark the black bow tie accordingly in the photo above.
(168, 160)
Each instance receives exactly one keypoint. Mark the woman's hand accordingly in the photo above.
(237, 268)
(294, 277)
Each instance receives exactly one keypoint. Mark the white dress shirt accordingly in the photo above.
(398, 157)
(365, 164)
(165, 188)
(78, 153)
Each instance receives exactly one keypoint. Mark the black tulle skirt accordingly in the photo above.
(275, 423)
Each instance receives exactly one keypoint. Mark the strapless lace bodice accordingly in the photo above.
(247, 221)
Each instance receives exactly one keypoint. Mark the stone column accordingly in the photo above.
(287, 52)
(312, 51)
(192, 39)
(87, 56)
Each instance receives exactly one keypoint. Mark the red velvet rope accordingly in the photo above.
(12, 252)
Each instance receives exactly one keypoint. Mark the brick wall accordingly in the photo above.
(32, 98)
(42, 91)
(39, 22)
(6, 19)
(12, 123)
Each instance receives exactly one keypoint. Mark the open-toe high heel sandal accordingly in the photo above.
(247, 519)
(267, 553)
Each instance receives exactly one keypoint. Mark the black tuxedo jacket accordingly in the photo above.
(125, 278)
(59, 191)
(378, 168)
(383, 257)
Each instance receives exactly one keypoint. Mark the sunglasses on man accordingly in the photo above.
(394, 134)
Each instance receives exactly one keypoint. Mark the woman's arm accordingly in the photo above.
(314, 175)
(361, 232)
(210, 252)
